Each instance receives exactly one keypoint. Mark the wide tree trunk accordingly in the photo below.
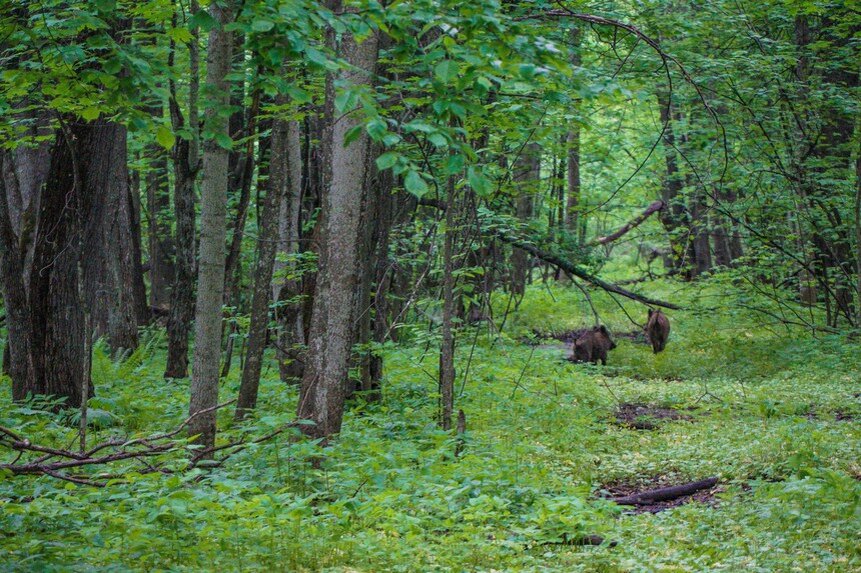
(213, 219)
(572, 206)
(109, 269)
(345, 169)
(83, 253)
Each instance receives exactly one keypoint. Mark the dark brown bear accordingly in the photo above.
(658, 330)
(593, 346)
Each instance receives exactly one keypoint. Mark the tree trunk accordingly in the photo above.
(184, 158)
(572, 207)
(161, 250)
(213, 219)
(323, 388)
(674, 215)
(527, 174)
(446, 353)
(267, 246)
(20, 367)
(291, 336)
(109, 269)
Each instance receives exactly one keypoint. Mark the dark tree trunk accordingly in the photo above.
(18, 351)
(447, 347)
(267, 246)
(291, 337)
(161, 249)
(142, 311)
(673, 216)
(184, 158)
(572, 207)
(527, 174)
(83, 235)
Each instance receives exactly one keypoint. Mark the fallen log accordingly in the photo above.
(665, 493)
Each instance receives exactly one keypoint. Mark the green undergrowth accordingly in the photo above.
(774, 413)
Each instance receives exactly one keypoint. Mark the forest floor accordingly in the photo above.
(773, 413)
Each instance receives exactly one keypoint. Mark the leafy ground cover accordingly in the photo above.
(774, 413)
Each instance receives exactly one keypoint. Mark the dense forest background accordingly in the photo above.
(302, 270)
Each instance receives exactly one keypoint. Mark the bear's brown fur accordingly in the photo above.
(593, 346)
(658, 330)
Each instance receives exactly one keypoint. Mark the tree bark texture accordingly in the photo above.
(213, 215)
(324, 382)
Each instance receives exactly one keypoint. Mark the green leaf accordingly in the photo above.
(446, 71)
(415, 185)
(479, 183)
(165, 137)
(90, 113)
(387, 160)
(262, 25)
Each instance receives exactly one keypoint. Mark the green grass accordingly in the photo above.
(390, 495)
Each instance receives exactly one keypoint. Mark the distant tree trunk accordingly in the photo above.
(291, 339)
(700, 231)
(572, 208)
(213, 219)
(142, 311)
(527, 173)
(323, 388)
(184, 158)
(267, 246)
(673, 216)
(161, 250)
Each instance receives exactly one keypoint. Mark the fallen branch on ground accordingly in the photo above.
(666, 493)
(57, 463)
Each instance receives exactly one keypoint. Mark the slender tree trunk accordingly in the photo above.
(185, 158)
(446, 354)
(323, 388)
(572, 207)
(142, 311)
(161, 250)
(291, 338)
(673, 215)
(527, 174)
(213, 218)
(267, 246)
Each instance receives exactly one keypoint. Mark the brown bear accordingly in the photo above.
(658, 330)
(593, 346)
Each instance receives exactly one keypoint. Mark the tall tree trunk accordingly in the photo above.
(184, 158)
(446, 353)
(267, 246)
(213, 218)
(673, 216)
(142, 311)
(21, 368)
(161, 250)
(291, 338)
(323, 388)
(527, 174)
(109, 270)
(572, 207)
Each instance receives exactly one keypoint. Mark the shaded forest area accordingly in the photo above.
(330, 275)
